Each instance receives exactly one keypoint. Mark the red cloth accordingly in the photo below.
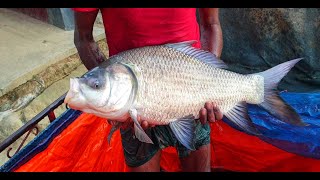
(81, 147)
(128, 28)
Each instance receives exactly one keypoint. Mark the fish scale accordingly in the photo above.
(185, 83)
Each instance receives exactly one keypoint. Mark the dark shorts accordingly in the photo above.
(137, 153)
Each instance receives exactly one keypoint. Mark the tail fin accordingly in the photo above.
(273, 103)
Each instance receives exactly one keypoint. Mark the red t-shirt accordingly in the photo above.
(128, 28)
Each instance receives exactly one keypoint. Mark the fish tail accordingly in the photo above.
(272, 101)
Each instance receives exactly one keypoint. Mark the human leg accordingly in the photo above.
(144, 157)
(153, 165)
(140, 156)
(198, 160)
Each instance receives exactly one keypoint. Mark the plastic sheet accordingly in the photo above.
(77, 143)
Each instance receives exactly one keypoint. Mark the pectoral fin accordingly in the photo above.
(138, 131)
(184, 130)
(115, 126)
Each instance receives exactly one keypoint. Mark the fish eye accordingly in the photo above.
(93, 83)
(96, 85)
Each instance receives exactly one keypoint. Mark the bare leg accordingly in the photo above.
(197, 161)
(153, 165)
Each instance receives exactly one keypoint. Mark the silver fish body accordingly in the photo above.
(172, 85)
(168, 84)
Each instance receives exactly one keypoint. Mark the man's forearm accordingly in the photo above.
(211, 33)
(211, 39)
(90, 54)
(88, 50)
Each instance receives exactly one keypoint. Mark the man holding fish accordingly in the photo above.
(163, 82)
(128, 28)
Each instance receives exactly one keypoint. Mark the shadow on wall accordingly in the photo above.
(256, 39)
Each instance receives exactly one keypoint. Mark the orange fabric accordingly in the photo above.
(82, 147)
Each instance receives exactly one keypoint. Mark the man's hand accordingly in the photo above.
(210, 112)
(144, 124)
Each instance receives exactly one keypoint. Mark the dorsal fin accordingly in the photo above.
(181, 44)
(202, 55)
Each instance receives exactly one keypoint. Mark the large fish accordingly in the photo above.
(168, 84)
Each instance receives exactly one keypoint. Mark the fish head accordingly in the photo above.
(102, 91)
(89, 92)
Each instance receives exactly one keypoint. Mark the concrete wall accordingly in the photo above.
(60, 17)
(38, 13)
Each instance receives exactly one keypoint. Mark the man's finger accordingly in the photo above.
(203, 115)
(210, 112)
(127, 124)
(144, 125)
(217, 112)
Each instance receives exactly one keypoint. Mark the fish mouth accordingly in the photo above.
(68, 97)
(74, 89)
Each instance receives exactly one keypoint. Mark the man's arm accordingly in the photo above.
(211, 33)
(211, 40)
(88, 50)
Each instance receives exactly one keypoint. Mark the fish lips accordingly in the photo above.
(74, 89)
